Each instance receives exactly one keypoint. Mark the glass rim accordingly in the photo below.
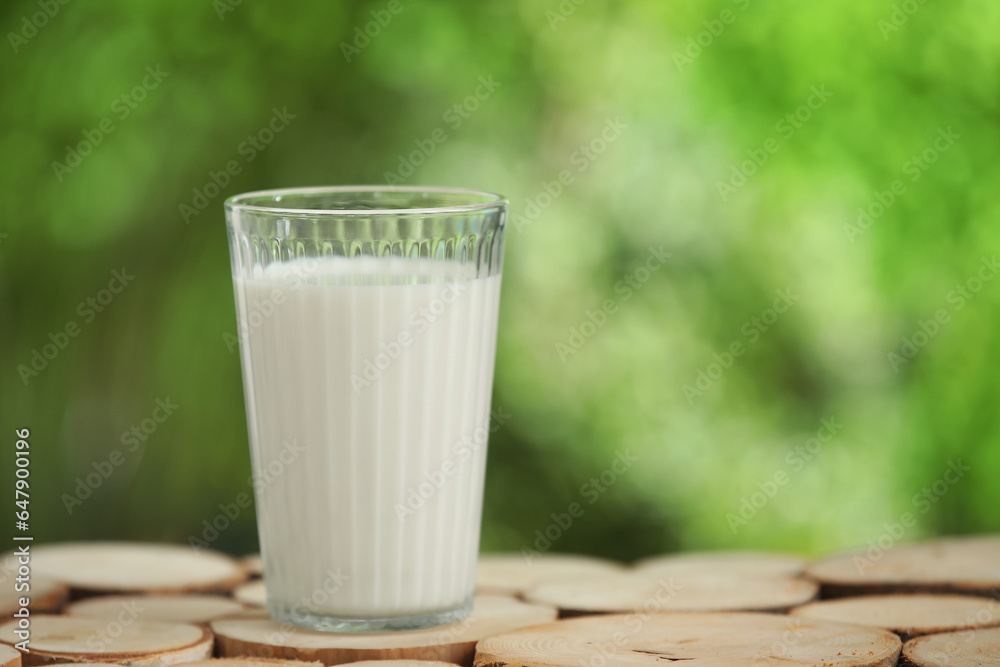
(491, 201)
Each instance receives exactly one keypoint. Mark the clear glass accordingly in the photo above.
(367, 321)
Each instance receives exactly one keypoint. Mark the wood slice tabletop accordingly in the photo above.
(402, 663)
(57, 639)
(969, 565)
(171, 608)
(9, 656)
(46, 596)
(630, 592)
(131, 567)
(738, 563)
(264, 637)
(515, 573)
(252, 593)
(971, 648)
(693, 640)
(249, 662)
(908, 615)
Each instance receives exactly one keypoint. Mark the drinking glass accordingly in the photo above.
(367, 321)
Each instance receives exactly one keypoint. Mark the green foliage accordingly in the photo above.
(704, 89)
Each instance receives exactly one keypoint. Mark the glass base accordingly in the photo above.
(325, 623)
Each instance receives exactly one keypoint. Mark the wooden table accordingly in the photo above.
(927, 604)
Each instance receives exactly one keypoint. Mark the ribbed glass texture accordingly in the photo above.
(367, 326)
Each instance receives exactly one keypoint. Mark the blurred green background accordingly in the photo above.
(843, 155)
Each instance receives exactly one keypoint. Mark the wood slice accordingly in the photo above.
(274, 662)
(968, 565)
(402, 663)
(449, 643)
(514, 573)
(249, 662)
(251, 593)
(692, 640)
(169, 608)
(631, 592)
(973, 648)
(908, 615)
(737, 563)
(127, 641)
(253, 564)
(45, 596)
(9, 656)
(126, 567)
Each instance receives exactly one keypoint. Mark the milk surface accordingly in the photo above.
(368, 387)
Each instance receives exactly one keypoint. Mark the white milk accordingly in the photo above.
(368, 389)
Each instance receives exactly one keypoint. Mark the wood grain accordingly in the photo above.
(402, 663)
(958, 565)
(908, 615)
(692, 640)
(250, 662)
(737, 563)
(635, 591)
(252, 593)
(46, 596)
(129, 567)
(9, 656)
(56, 639)
(168, 608)
(264, 637)
(514, 573)
(973, 648)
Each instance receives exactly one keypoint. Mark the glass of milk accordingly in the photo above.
(367, 321)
